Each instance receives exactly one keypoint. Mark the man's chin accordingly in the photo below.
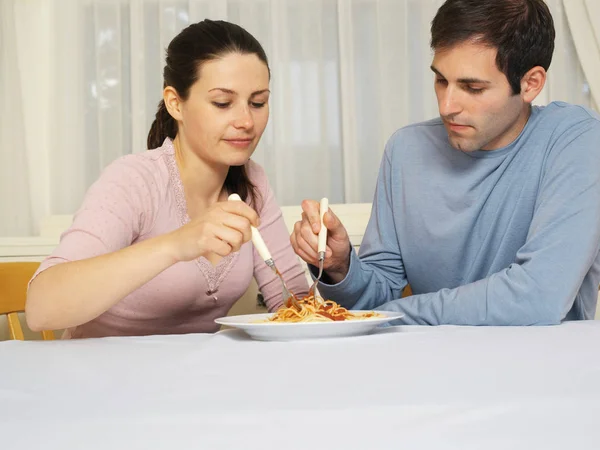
(462, 145)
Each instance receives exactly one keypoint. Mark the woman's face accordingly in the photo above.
(227, 109)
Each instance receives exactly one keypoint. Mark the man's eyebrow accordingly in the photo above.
(437, 72)
(469, 80)
(473, 81)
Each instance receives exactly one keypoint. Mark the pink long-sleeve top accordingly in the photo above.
(140, 196)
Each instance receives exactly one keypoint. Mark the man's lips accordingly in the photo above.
(457, 126)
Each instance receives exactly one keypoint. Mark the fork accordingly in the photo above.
(322, 244)
(263, 251)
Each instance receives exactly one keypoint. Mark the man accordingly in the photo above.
(491, 212)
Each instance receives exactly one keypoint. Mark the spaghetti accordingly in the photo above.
(315, 309)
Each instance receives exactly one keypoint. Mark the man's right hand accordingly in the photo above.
(304, 240)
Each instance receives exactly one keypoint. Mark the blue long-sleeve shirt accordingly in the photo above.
(503, 237)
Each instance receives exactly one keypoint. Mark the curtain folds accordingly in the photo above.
(81, 79)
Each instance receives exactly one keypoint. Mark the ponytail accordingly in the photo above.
(164, 126)
(238, 181)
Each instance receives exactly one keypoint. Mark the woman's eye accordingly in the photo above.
(257, 104)
(221, 105)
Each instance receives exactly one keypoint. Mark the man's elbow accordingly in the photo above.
(549, 319)
(553, 313)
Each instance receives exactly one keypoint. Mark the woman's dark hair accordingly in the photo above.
(198, 43)
(522, 31)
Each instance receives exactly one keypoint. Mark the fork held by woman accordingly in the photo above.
(263, 251)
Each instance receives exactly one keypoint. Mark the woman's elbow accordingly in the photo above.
(34, 324)
(35, 314)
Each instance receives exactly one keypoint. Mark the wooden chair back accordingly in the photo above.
(14, 277)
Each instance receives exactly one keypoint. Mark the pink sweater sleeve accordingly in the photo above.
(116, 210)
(274, 232)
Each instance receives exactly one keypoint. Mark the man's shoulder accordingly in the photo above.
(564, 125)
(568, 114)
(570, 134)
(416, 133)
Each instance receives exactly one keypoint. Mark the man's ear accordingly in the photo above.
(532, 83)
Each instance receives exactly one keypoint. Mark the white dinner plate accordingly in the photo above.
(277, 331)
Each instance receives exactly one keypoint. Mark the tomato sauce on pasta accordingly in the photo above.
(315, 309)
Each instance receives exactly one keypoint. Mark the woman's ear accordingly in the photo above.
(172, 102)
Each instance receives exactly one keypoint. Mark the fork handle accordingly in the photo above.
(257, 240)
(322, 245)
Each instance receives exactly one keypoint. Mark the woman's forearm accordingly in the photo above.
(73, 293)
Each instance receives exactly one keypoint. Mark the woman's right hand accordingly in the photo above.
(222, 230)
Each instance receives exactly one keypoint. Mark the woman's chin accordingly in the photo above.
(238, 160)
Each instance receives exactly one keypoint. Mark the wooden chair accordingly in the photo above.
(14, 277)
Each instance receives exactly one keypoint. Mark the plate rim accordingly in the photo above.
(390, 315)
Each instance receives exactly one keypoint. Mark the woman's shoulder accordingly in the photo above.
(149, 167)
(146, 160)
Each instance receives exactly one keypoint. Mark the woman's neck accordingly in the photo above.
(202, 182)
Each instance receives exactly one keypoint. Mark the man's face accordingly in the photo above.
(475, 100)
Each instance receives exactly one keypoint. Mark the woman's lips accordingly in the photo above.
(239, 143)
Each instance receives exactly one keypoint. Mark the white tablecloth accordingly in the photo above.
(404, 388)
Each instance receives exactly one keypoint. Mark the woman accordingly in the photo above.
(156, 248)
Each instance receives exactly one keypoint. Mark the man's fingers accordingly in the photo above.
(299, 244)
(306, 234)
(307, 258)
(335, 228)
(310, 210)
(307, 249)
(311, 214)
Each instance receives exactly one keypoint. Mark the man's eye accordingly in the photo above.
(473, 90)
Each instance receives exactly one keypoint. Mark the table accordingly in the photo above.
(402, 388)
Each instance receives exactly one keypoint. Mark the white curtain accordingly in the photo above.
(584, 20)
(81, 80)
(15, 207)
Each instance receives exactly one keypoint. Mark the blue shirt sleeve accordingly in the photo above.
(378, 275)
